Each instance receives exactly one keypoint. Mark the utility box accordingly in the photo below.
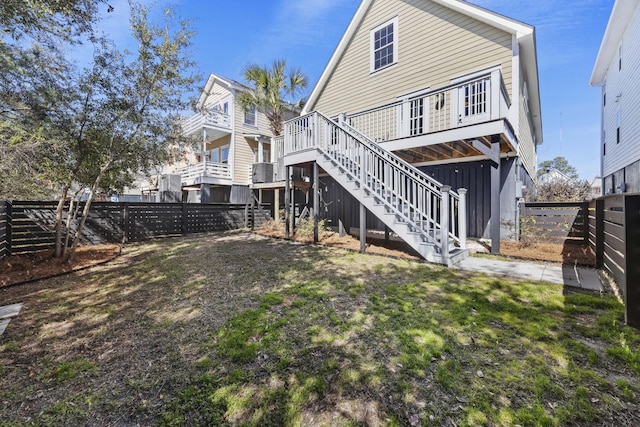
(169, 183)
(262, 173)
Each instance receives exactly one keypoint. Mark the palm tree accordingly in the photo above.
(272, 92)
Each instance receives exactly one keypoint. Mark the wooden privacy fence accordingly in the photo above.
(555, 221)
(614, 235)
(30, 226)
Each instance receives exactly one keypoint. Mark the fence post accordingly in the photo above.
(246, 215)
(444, 221)
(253, 211)
(184, 219)
(462, 217)
(9, 226)
(599, 237)
(632, 255)
(125, 223)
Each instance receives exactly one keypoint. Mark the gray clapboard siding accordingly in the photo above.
(626, 83)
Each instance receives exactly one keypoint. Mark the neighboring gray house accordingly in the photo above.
(617, 72)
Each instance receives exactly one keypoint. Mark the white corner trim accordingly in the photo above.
(337, 54)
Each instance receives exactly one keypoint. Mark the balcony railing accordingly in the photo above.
(194, 173)
(207, 118)
(473, 101)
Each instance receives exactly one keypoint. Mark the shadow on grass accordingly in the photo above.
(234, 328)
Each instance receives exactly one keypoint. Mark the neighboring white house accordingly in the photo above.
(617, 71)
(446, 86)
(596, 187)
(551, 176)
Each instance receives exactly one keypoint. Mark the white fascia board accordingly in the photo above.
(488, 17)
(463, 133)
(528, 52)
(337, 54)
(620, 15)
(209, 86)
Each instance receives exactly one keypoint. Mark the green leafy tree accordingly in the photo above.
(34, 89)
(49, 21)
(124, 113)
(273, 92)
(560, 164)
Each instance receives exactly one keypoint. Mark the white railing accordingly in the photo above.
(207, 118)
(425, 204)
(209, 169)
(472, 101)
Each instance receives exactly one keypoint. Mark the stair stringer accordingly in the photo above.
(428, 247)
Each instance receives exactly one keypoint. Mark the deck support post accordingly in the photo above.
(493, 153)
(287, 201)
(462, 217)
(495, 196)
(276, 205)
(316, 201)
(363, 228)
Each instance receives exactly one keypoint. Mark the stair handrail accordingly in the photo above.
(310, 133)
(417, 173)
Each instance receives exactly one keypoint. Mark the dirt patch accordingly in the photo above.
(572, 253)
(392, 248)
(42, 264)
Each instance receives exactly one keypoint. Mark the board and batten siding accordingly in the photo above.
(622, 90)
(436, 44)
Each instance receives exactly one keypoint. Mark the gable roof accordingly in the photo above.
(230, 84)
(524, 32)
(618, 21)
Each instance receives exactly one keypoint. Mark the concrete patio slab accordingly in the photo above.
(6, 313)
(10, 310)
(3, 325)
(577, 277)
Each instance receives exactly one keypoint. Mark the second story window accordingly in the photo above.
(250, 117)
(384, 45)
(620, 58)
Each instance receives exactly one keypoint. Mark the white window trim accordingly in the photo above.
(255, 116)
(394, 22)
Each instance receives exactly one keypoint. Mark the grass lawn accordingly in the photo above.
(238, 329)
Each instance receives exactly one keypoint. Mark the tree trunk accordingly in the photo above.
(59, 211)
(85, 213)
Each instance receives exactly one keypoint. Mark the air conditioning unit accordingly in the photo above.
(262, 173)
(169, 183)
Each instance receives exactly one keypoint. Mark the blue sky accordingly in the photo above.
(231, 34)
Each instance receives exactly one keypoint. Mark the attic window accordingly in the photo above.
(384, 45)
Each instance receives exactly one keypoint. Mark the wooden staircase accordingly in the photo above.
(425, 214)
